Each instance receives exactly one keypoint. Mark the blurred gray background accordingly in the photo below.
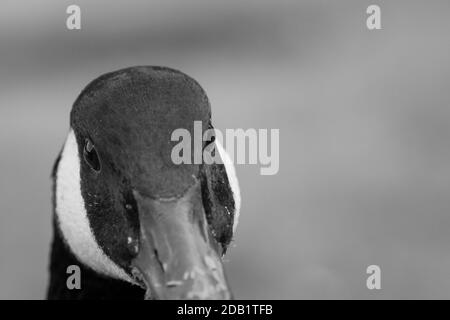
(364, 119)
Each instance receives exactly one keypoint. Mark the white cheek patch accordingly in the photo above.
(72, 215)
(232, 179)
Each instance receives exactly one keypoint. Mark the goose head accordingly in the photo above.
(124, 208)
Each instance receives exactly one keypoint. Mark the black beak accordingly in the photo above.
(178, 258)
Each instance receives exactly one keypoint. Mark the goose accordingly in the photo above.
(137, 225)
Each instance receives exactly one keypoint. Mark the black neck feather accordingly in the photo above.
(93, 285)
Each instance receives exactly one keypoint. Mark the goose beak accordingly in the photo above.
(178, 258)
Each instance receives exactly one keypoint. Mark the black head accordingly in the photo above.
(162, 225)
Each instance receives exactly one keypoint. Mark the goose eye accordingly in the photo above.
(91, 156)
